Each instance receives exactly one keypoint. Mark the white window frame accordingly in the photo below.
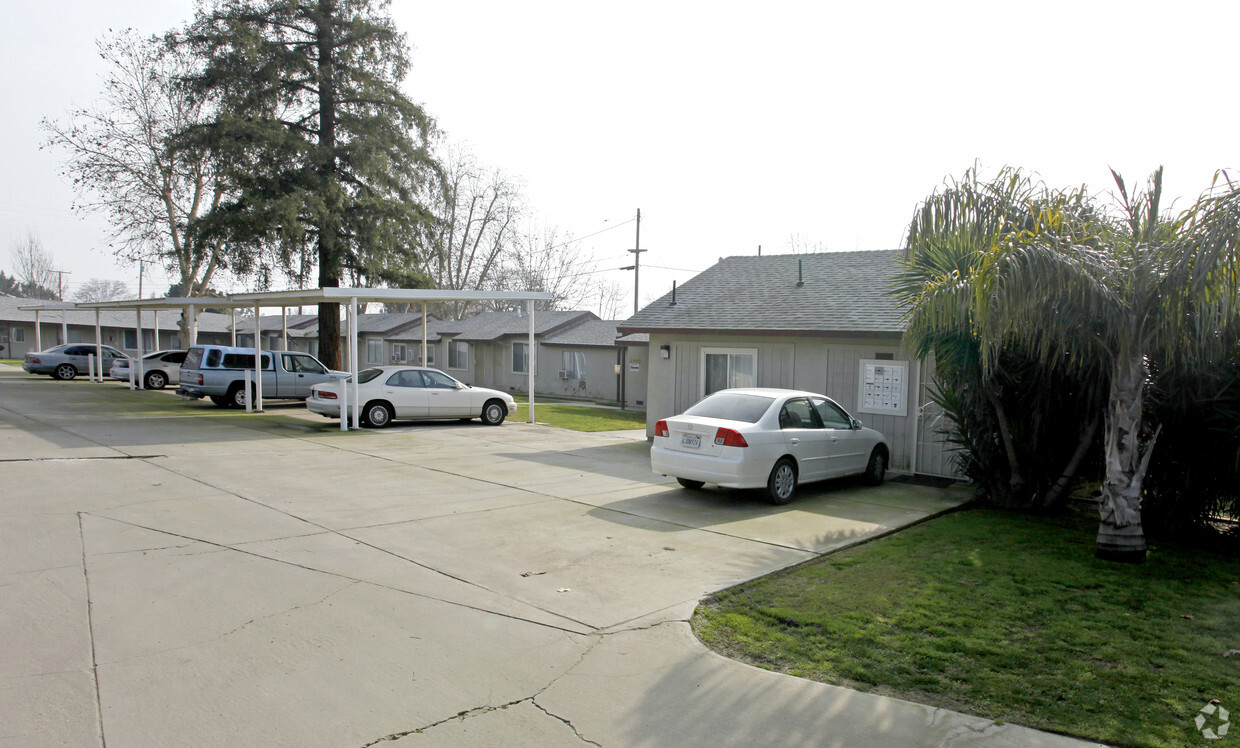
(525, 357)
(574, 363)
(729, 352)
(19, 335)
(459, 354)
(371, 345)
(399, 353)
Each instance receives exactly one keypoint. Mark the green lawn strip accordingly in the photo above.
(577, 416)
(1005, 616)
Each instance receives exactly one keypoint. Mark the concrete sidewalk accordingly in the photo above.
(176, 574)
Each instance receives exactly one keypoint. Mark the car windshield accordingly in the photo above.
(732, 407)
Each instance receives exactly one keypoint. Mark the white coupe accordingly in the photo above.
(766, 438)
(395, 393)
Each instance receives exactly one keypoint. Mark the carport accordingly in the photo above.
(349, 298)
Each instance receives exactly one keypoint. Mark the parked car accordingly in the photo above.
(159, 369)
(772, 439)
(218, 372)
(389, 393)
(69, 360)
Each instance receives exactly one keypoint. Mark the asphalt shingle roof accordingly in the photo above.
(842, 292)
(490, 326)
(598, 333)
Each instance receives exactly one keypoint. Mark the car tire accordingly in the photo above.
(876, 469)
(692, 485)
(65, 372)
(494, 413)
(236, 395)
(222, 402)
(781, 486)
(156, 380)
(377, 415)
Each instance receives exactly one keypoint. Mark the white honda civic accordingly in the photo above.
(766, 438)
(389, 393)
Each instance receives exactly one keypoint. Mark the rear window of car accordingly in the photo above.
(365, 375)
(192, 359)
(732, 407)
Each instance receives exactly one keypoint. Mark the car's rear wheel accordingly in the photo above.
(64, 372)
(237, 396)
(377, 415)
(494, 413)
(222, 402)
(781, 487)
(692, 485)
(156, 380)
(876, 469)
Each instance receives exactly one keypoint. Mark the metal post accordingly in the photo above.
(99, 341)
(258, 366)
(284, 326)
(138, 345)
(637, 263)
(38, 332)
(357, 408)
(423, 359)
(529, 306)
(233, 314)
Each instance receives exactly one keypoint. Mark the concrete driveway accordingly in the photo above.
(175, 574)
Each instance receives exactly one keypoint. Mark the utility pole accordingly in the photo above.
(60, 283)
(637, 264)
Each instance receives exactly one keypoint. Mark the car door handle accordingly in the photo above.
(794, 441)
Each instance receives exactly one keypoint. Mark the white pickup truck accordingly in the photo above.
(218, 372)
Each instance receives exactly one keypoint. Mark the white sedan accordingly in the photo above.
(766, 438)
(159, 369)
(389, 393)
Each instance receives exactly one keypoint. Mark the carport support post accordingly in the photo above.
(232, 313)
(529, 369)
(38, 332)
(192, 327)
(357, 407)
(64, 326)
(98, 342)
(258, 366)
(284, 326)
(423, 359)
(137, 364)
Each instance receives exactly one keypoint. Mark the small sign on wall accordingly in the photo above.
(883, 387)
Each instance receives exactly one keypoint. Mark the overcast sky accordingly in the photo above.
(729, 127)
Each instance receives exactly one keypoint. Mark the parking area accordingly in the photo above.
(176, 573)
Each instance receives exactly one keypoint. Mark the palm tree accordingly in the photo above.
(1007, 421)
(1082, 287)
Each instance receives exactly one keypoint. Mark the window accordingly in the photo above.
(831, 414)
(430, 354)
(574, 365)
(439, 380)
(131, 339)
(724, 368)
(174, 341)
(458, 354)
(19, 334)
(374, 351)
(302, 363)
(406, 378)
(796, 414)
(520, 358)
(398, 352)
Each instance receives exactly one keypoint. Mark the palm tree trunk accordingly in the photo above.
(1059, 490)
(1120, 535)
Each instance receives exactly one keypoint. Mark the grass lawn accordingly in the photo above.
(1005, 616)
(576, 417)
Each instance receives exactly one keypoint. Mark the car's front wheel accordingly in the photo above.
(781, 487)
(876, 469)
(377, 415)
(156, 380)
(494, 413)
(65, 372)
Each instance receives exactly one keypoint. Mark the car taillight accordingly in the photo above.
(34, 359)
(660, 428)
(730, 438)
(199, 378)
(325, 395)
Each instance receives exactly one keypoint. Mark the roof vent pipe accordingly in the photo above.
(673, 294)
(800, 276)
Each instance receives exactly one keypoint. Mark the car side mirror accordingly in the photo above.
(856, 423)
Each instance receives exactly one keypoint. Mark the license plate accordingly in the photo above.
(691, 440)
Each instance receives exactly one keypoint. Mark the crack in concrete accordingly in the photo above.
(80, 459)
